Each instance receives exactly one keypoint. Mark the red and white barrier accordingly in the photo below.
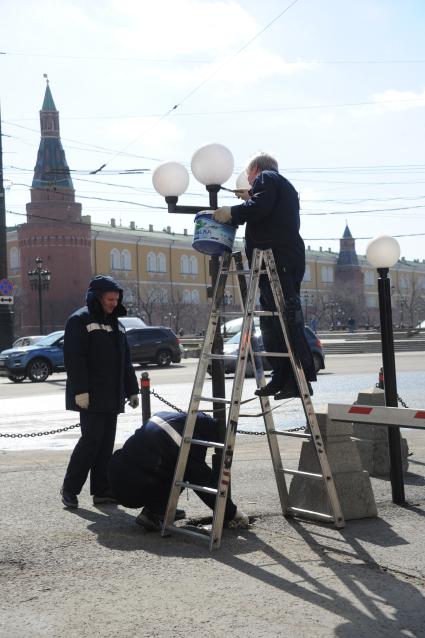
(377, 415)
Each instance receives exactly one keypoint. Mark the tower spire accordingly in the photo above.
(51, 170)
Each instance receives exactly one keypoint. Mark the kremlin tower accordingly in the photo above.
(54, 231)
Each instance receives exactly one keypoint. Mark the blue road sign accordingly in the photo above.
(6, 287)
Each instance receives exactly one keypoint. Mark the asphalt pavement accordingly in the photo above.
(94, 572)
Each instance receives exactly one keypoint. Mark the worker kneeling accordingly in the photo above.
(141, 473)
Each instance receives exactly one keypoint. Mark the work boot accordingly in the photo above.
(68, 499)
(268, 390)
(153, 522)
(291, 391)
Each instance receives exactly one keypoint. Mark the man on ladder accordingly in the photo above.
(271, 214)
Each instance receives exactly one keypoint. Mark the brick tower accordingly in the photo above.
(54, 231)
(349, 277)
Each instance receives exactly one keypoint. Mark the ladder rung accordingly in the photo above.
(204, 443)
(265, 313)
(188, 532)
(214, 400)
(300, 473)
(197, 488)
(299, 510)
(220, 357)
(231, 313)
(262, 353)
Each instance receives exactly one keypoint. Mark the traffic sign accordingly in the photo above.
(6, 299)
(6, 287)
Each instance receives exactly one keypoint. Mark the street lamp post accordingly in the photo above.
(382, 253)
(212, 165)
(39, 280)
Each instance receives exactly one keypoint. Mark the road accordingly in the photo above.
(34, 408)
(185, 371)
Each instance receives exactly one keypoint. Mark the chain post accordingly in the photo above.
(145, 390)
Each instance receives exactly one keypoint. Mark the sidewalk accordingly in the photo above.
(94, 573)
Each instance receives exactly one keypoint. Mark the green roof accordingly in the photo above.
(48, 104)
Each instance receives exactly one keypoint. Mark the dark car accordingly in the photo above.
(231, 347)
(36, 362)
(154, 345)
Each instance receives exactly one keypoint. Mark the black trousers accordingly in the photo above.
(137, 482)
(92, 453)
(290, 280)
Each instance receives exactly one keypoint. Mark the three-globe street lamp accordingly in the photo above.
(382, 253)
(212, 165)
(39, 280)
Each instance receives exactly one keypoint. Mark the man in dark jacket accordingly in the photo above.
(141, 473)
(99, 379)
(271, 213)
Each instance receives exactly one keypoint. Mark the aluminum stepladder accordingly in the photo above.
(262, 264)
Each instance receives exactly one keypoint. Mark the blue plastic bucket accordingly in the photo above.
(211, 237)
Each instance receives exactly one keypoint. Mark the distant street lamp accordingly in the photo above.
(382, 253)
(212, 165)
(39, 280)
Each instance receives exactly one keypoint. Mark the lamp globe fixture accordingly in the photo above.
(242, 182)
(212, 164)
(383, 251)
(170, 179)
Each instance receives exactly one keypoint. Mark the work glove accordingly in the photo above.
(242, 194)
(223, 214)
(82, 400)
(133, 401)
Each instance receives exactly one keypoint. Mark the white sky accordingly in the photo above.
(334, 88)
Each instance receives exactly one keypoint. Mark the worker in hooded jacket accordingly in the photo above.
(100, 378)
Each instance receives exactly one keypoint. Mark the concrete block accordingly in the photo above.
(352, 482)
(372, 440)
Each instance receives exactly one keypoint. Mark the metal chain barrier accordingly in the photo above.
(380, 385)
(32, 434)
(170, 405)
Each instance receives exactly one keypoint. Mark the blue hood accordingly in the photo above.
(97, 286)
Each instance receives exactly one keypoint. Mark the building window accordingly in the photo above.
(195, 296)
(369, 278)
(163, 295)
(151, 262)
(307, 273)
(115, 259)
(186, 296)
(327, 274)
(194, 265)
(403, 281)
(125, 260)
(372, 302)
(128, 296)
(15, 261)
(184, 265)
(161, 265)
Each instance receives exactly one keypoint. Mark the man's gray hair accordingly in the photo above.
(264, 162)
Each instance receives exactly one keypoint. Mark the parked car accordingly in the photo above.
(132, 322)
(231, 347)
(36, 362)
(27, 341)
(154, 345)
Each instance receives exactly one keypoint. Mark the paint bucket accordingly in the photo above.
(211, 237)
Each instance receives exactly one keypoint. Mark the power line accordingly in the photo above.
(201, 84)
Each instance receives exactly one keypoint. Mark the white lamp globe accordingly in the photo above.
(242, 182)
(212, 164)
(170, 179)
(383, 251)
